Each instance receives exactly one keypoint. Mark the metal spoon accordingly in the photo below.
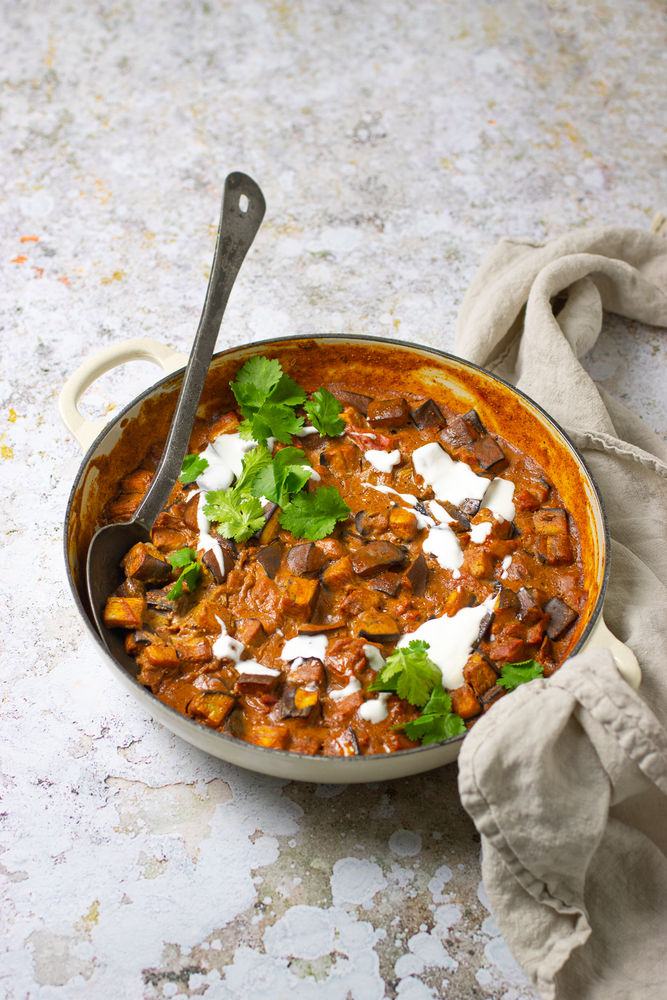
(241, 215)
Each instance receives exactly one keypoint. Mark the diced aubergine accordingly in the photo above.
(462, 431)
(130, 588)
(417, 575)
(314, 628)
(550, 521)
(248, 679)
(371, 522)
(124, 612)
(507, 600)
(134, 641)
(270, 557)
(529, 608)
(212, 707)
(460, 521)
(485, 627)
(297, 702)
(304, 673)
(428, 416)
(377, 555)
(250, 632)
(464, 702)
(305, 558)
(479, 674)
(488, 453)
(387, 583)
(490, 696)
(157, 600)
(377, 626)
(392, 412)
(561, 617)
(347, 398)
(300, 596)
(271, 527)
(470, 506)
(144, 562)
(212, 563)
(403, 523)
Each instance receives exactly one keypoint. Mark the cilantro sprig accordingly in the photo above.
(193, 466)
(237, 515)
(314, 515)
(512, 675)
(410, 673)
(324, 413)
(416, 678)
(286, 474)
(186, 560)
(437, 720)
(266, 398)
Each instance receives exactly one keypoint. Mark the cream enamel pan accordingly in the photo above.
(113, 449)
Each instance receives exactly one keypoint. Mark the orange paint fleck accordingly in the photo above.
(30, 239)
(12, 415)
(19, 260)
(491, 121)
(64, 281)
(39, 271)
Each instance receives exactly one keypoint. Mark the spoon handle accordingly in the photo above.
(241, 216)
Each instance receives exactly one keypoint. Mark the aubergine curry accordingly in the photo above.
(344, 572)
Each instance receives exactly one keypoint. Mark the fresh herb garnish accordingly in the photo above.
(237, 515)
(410, 673)
(186, 560)
(323, 412)
(286, 474)
(314, 515)
(266, 398)
(193, 466)
(437, 721)
(514, 674)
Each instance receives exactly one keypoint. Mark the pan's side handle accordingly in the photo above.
(137, 349)
(625, 660)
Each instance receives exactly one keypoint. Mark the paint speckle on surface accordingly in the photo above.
(405, 843)
(356, 881)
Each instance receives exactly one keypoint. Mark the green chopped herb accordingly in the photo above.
(193, 466)
(323, 412)
(266, 398)
(410, 673)
(437, 721)
(186, 560)
(314, 515)
(285, 475)
(237, 515)
(514, 674)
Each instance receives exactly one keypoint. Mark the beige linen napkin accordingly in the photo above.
(566, 779)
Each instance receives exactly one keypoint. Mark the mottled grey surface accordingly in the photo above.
(395, 143)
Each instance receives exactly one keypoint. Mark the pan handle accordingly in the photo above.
(625, 660)
(137, 349)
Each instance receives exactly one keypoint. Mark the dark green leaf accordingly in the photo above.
(514, 674)
(193, 466)
(323, 412)
(314, 515)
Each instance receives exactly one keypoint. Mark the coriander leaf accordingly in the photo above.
(287, 392)
(285, 475)
(251, 464)
(193, 466)
(514, 674)
(238, 516)
(323, 412)
(187, 558)
(254, 382)
(434, 728)
(314, 515)
(410, 673)
(182, 557)
(273, 420)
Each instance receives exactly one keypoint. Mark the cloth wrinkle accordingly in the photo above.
(548, 774)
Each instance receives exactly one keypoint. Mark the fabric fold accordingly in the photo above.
(566, 779)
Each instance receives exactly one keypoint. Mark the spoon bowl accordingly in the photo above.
(241, 215)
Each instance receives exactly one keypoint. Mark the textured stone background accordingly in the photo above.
(395, 143)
